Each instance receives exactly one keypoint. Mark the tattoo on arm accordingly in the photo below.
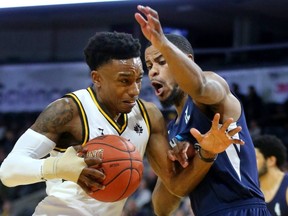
(56, 115)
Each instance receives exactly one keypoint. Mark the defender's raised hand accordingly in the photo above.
(218, 139)
(149, 22)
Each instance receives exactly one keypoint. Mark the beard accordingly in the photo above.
(174, 98)
(263, 170)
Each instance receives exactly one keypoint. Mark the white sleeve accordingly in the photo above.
(23, 164)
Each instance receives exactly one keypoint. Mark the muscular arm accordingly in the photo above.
(24, 165)
(170, 188)
(206, 88)
(33, 145)
(164, 203)
(59, 117)
(173, 178)
(188, 74)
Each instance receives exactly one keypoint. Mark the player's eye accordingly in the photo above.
(162, 62)
(149, 67)
(139, 80)
(124, 80)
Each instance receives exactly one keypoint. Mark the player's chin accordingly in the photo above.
(164, 97)
(128, 106)
(125, 110)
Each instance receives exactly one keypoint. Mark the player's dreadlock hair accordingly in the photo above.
(105, 46)
(270, 145)
(179, 41)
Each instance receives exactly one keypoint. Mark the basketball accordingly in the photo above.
(121, 163)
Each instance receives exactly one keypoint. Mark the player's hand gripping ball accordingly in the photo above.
(121, 163)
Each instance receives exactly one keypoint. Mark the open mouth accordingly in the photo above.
(158, 87)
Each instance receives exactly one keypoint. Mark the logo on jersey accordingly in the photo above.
(101, 131)
(277, 209)
(138, 129)
(187, 117)
(173, 142)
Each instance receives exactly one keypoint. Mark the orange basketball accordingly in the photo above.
(121, 163)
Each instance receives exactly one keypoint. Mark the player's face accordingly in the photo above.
(166, 89)
(261, 163)
(119, 83)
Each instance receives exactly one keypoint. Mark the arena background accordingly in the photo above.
(41, 58)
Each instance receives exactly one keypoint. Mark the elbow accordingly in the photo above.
(157, 211)
(174, 187)
(7, 181)
(7, 176)
(177, 187)
(178, 191)
(164, 203)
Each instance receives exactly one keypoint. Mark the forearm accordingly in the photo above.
(188, 74)
(164, 203)
(20, 170)
(174, 177)
(23, 165)
(203, 87)
(191, 176)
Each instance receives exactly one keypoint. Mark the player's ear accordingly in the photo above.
(271, 161)
(191, 56)
(95, 78)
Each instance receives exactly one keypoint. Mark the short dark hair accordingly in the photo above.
(270, 145)
(105, 46)
(179, 41)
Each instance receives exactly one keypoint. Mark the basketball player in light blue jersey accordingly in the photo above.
(231, 185)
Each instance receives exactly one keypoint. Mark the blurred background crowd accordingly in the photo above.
(263, 118)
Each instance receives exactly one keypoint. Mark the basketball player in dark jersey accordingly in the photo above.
(271, 154)
(231, 185)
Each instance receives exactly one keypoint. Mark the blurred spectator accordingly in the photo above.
(271, 157)
(140, 202)
(130, 208)
(253, 105)
(12, 125)
(254, 128)
(185, 208)
(8, 141)
(143, 195)
(276, 122)
(236, 90)
(6, 208)
(278, 116)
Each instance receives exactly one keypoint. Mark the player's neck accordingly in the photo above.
(179, 107)
(270, 184)
(117, 117)
(273, 177)
(112, 115)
